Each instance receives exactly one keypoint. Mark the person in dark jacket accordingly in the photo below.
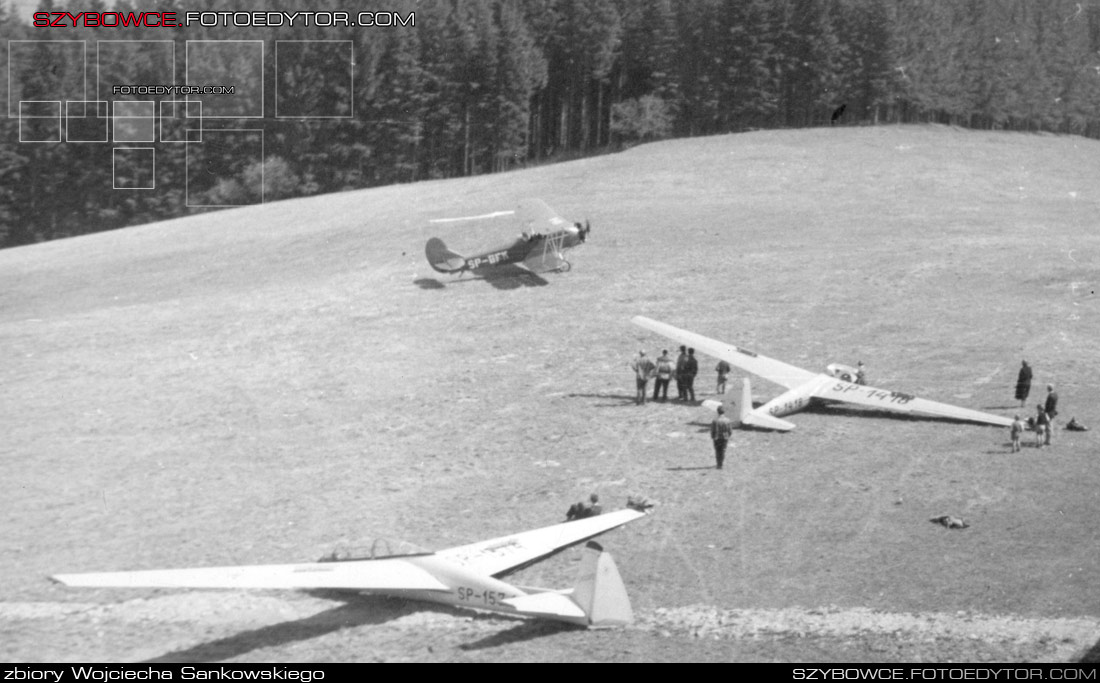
(691, 369)
(1042, 427)
(720, 430)
(1051, 409)
(1023, 383)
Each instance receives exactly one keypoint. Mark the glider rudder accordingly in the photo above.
(442, 259)
(599, 590)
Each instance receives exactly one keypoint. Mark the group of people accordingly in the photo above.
(663, 371)
(1042, 423)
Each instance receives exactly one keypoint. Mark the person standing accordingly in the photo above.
(681, 360)
(861, 373)
(723, 369)
(664, 374)
(691, 369)
(1042, 427)
(1015, 430)
(1023, 383)
(643, 369)
(1051, 409)
(720, 431)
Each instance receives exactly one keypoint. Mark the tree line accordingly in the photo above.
(479, 86)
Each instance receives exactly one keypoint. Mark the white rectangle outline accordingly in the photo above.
(85, 76)
(58, 103)
(349, 116)
(115, 117)
(114, 185)
(170, 42)
(187, 78)
(106, 122)
(187, 163)
(186, 112)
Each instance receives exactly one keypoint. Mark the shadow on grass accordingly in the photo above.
(528, 630)
(688, 469)
(357, 610)
(429, 283)
(500, 277)
(624, 399)
(1092, 656)
(511, 277)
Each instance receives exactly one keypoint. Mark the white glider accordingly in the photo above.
(805, 387)
(465, 576)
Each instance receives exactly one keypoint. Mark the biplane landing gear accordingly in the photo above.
(565, 266)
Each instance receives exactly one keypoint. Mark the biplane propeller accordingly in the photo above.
(540, 248)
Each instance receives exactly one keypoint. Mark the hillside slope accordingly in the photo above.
(258, 384)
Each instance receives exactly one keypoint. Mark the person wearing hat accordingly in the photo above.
(643, 369)
(720, 431)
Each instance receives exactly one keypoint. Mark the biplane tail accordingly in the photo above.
(442, 259)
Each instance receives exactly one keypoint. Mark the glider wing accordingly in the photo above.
(770, 369)
(500, 556)
(896, 401)
(381, 575)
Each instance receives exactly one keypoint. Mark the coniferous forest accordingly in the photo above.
(480, 86)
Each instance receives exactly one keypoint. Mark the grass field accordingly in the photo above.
(258, 385)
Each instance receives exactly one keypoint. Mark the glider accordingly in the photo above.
(465, 576)
(805, 387)
(540, 247)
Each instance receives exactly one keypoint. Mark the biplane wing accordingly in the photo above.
(804, 386)
(536, 217)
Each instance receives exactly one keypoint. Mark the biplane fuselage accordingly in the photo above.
(540, 248)
(531, 251)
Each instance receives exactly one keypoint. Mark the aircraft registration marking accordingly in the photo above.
(487, 597)
(488, 259)
(896, 397)
(790, 406)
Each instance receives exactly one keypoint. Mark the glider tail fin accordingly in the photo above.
(442, 259)
(599, 590)
(746, 400)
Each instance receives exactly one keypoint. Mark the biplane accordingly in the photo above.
(464, 576)
(805, 387)
(540, 247)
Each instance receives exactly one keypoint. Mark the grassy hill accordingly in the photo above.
(256, 385)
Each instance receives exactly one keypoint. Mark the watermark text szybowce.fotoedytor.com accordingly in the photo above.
(224, 18)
